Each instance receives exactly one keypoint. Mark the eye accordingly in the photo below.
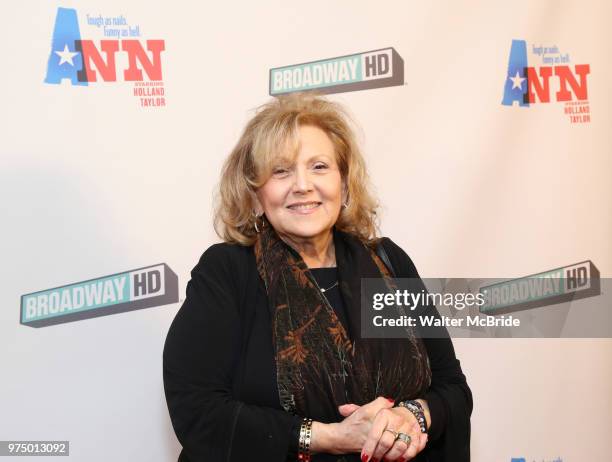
(280, 171)
(320, 166)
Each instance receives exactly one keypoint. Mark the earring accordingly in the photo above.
(257, 230)
(345, 203)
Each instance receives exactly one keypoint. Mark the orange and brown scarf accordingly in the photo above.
(319, 365)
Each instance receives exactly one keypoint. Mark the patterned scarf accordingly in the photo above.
(319, 366)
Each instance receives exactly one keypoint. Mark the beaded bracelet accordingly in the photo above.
(304, 442)
(417, 410)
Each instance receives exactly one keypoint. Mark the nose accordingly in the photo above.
(302, 182)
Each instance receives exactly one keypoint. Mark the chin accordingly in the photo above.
(306, 231)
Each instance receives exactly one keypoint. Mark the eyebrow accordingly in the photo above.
(316, 156)
(283, 159)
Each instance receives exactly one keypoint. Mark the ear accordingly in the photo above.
(257, 207)
(344, 196)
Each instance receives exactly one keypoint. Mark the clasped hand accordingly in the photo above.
(365, 429)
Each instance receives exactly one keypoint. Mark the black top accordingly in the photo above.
(220, 376)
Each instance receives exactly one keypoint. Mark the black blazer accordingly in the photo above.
(204, 370)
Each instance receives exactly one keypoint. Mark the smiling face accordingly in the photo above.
(302, 198)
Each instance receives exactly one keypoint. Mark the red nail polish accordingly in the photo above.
(391, 400)
(364, 458)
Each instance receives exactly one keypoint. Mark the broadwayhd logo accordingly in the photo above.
(370, 69)
(131, 290)
(522, 459)
(548, 288)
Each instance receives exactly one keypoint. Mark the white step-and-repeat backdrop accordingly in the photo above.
(487, 129)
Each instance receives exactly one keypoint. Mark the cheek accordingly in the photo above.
(333, 191)
(272, 196)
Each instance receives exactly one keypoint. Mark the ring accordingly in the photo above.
(392, 431)
(404, 437)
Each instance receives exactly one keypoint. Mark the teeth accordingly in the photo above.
(304, 206)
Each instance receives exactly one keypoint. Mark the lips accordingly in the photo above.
(303, 206)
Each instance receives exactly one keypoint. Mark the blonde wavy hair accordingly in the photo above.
(272, 132)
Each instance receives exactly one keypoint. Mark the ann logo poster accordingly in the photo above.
(118, 54)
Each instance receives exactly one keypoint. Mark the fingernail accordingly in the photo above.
(391, 400)
(364, 458)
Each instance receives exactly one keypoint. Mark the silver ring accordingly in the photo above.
(404, 437)
(395, 434)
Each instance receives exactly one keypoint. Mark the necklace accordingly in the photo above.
(329, 288)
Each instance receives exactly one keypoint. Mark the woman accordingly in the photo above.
(264, 360)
